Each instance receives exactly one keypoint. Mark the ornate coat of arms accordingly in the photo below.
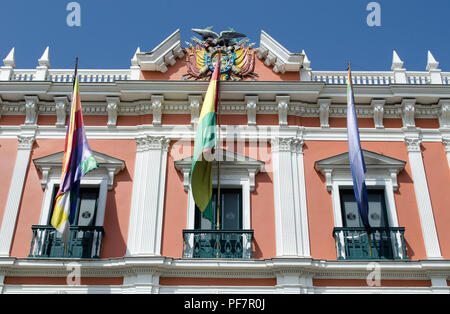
(237, 57)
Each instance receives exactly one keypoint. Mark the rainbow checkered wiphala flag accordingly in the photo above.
(78, 160)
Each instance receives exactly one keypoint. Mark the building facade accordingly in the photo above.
(288, 220)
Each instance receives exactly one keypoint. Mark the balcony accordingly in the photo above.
(84, 243)
(222, 244)
(372, 244)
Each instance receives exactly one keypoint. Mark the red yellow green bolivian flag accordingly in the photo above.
(205, 144)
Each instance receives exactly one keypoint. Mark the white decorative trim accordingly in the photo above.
(25, 142)
(444, 113)
(112, 108)
(446, 142)
(384, 167)
(324, 112)
(378, 112)
(283, 108)
(162, 56)
(9, 63)
(157, 105)
(146, 143)
(61, 106)
(44, 64)
(275, 54)
(413, 144)
(408, 113)
(232, 164)
(194, 106)
(252, 103)
(52, 164)
(31, 110)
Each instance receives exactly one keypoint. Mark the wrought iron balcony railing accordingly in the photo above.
(84, 243)
(375, 243)
(228, 244)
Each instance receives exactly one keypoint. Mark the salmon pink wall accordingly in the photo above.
(58, 281)
(134, 120)
(363, 283)
(12, 120)
(47, 120)
(8, 152)
(320, 207)
(117, 205)
(176, 72)
(438, 178)
(238, 282)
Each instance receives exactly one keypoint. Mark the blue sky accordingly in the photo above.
(331, 32)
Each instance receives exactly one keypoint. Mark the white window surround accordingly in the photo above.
(103, 177)
(381, 174)
(237, 171)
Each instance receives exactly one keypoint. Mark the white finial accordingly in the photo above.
(397, 63)
(10, 60)
(306, 61)
(432, 64)
(45, 59)
(134, 61)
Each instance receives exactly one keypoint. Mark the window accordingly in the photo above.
(87, 229)
(377, 209)
(384, 240)
(86, 210)
(230, 215)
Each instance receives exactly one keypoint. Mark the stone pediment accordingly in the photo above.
(230, 162)
(374, 162)
(53, 162)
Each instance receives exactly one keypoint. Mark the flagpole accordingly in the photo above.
(76, 71)
(73, 88)
(218, 160)
(367, 228)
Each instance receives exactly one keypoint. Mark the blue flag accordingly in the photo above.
(356, 157)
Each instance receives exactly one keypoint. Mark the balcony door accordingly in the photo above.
(230, 211)
(82, 234)
(356, 237)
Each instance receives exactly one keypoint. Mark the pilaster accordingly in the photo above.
(291, 225)
(446, 142)
(145, 231)
(429, 232)
(15, 193)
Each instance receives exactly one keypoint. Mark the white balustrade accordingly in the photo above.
(328, 77)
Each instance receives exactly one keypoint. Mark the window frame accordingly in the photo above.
(98, 181)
